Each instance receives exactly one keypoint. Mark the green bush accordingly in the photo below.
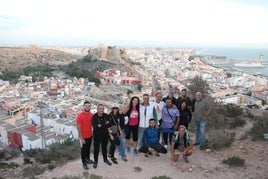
(51, 165)
(234, 161)
(27, 160)
(4, 165)
(233, 110)
(58, 153)
(220, 139)
(93, 176)
(250, 115)
(259, 128)
(33, 170)
(216, 121)
(237, 122)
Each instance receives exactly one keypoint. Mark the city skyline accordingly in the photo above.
(158, 23)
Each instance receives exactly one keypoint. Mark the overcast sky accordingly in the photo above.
(134, 22)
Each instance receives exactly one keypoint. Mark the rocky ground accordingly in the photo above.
(203, 164)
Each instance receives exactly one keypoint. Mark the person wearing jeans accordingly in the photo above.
(170, 120)
(200, 132)
(123, 120)
(202, 110)
(147, 112)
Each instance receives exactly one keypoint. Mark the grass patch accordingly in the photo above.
(32, 171)
(234, 161)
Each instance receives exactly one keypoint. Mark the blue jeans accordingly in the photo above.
(141, 131)
(122, 146)
(200, 132)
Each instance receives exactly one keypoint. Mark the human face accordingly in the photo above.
(198, 96)
(135, 102)
(183, 104)
(100, 110)
(171, 94)
(146, 100)
(152, 123)
(183, 93)
(158, 97)
(125, 109)
(115, 110)
(87, 107)
(168, 103)
(181, 131)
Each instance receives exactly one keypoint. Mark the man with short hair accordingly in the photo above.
(185, 97)
(150, 140)
(84, 127)
(101, 133)
(171, 97)
(202, 111)
(170, 120)
(147, 111)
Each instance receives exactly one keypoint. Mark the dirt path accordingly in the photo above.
(202, 165)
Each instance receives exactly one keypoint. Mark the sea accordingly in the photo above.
(239, 54)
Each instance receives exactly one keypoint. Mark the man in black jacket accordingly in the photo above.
(101, 133)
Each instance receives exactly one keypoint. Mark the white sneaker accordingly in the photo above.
(165, 146)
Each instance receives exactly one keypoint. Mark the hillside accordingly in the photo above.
(17, 58)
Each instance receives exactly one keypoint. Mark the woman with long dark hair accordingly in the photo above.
(185, 114)
(133, 114)
(116, 131)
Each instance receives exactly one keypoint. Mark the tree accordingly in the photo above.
(10, 76)
(198, 84)
(139, 87)
(95, 80)
(129, 92)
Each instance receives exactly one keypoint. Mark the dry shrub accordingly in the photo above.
(220, 139)
(234, 161)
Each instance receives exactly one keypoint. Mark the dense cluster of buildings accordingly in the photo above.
(37, 114)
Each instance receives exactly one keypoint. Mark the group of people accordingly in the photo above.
(152, 127)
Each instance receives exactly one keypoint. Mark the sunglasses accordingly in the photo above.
(115, 108)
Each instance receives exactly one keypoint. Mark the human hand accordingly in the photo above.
(83, 141)
(122, 135)
(184, 153)
(99, 125)
(111, 137)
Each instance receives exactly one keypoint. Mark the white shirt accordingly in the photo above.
(158, 107)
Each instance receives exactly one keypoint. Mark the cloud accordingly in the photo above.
(191, 21)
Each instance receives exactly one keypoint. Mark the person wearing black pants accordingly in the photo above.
(101, 132)
(84, 127)
(116, 130)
